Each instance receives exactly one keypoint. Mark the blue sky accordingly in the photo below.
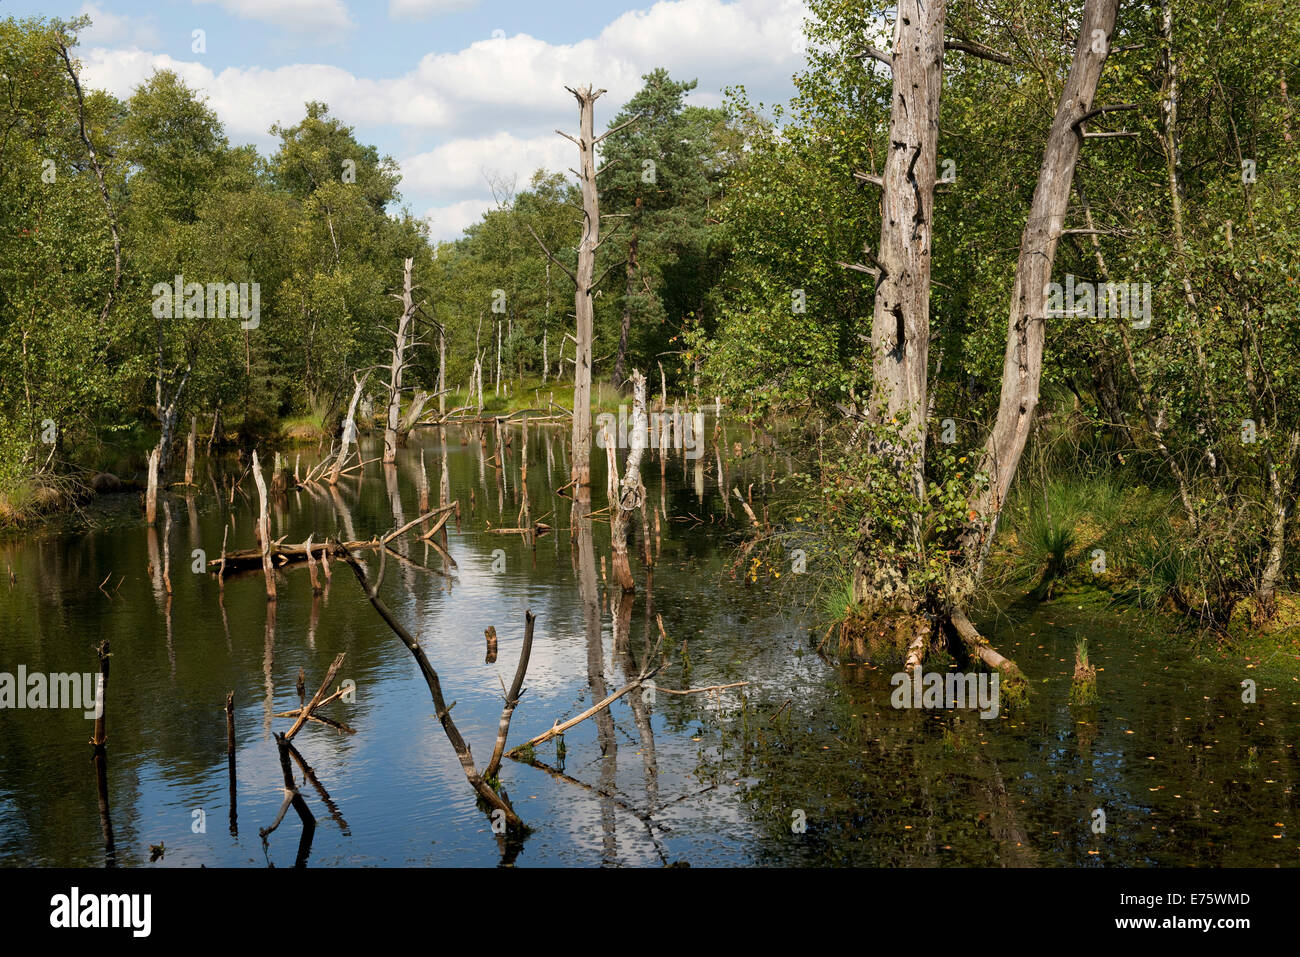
(452, 89)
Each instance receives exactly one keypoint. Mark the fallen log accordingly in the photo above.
(537, 529)
(437, 526)
(442, 710)
(558, 729)
(978, 647)
(317, 698)
(282, 554)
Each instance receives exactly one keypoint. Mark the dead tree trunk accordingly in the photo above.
(442, 376)
(151, 490)
(264, 529)
(412, 416)
(167, 410)
(584, 279)
(633, 492)
(498, 802)
(1023, 364)
(103, 186)
(215, 438)
(583, 303)
(349, 429)
(398, 364)
(189, 451)
(900, 326)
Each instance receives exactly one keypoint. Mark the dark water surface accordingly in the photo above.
(1185, 773)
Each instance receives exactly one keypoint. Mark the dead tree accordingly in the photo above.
(318, 700)
(284, 555)
(442, 375)
(1026, 325)
(413, 413)
(349, 428)
(584, 279)
(264, 529)
(402, 340)
(151, 489)
(168, 407)
(900, 330)
(900, 325)
(99, 176)
(189, 451)
(632, 493)
(498, 801)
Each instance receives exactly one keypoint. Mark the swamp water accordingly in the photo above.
(806, 765)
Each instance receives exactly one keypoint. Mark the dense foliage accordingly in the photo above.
(725, 244)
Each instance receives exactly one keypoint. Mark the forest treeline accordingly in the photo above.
(739, 252)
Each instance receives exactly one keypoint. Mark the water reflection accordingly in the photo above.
(1185, 773)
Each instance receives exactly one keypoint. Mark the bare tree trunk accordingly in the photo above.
(167, 412)
(442, 375)
(633, 492)
(264, 529)
(349, 429)
(151, 490)
(215, 436)
(478, 379)
(398, 365)
(412, 416)
(584, 280)
(189, 451)
(1023, 365)
(900, 325)
(583, 305)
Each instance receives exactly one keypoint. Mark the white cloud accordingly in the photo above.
(520, 78)
(315, 17)
(460, 165)
(248, 101)
(496, 102)
(684, 35)
(422, 9)
(106, 27)
(447, 222)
